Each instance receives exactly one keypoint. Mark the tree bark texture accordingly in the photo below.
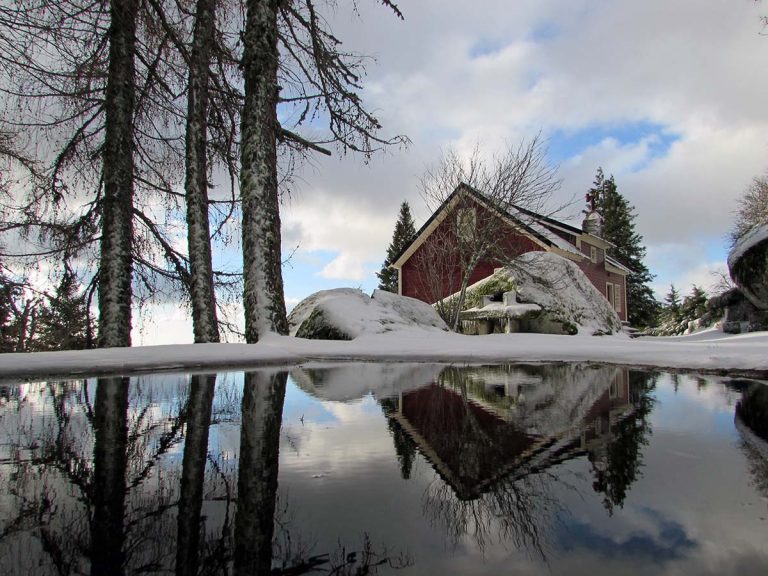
(263, 278)
(263, 396)
(201, 290)
(115, 267)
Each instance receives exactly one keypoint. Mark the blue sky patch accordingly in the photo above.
(565, 144)
(301, 275)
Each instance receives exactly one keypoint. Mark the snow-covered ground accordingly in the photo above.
(709, 350)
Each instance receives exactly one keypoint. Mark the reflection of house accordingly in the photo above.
(515, 231)
(474, 441)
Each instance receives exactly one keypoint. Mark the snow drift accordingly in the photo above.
(346, 313)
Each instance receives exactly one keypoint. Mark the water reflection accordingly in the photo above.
(359, 468)
(495, 434)
(752, 423)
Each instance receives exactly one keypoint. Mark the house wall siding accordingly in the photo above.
(599, 277)
(419, 272)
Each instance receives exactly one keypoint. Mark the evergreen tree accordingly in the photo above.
(9, 292)
(619, 228)
(404, 233)
(672, 309)
(694, 305)
(64, 322)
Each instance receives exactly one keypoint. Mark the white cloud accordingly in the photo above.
(453, 74)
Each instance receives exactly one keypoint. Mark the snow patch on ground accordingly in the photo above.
(701, 351)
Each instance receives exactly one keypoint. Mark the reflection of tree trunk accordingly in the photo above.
(263, 396)
(198, 417)
(109, 463)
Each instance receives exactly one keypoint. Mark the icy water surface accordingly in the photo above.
(386, 468)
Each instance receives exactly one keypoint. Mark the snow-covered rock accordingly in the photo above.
(552, 296)
(748, 264)
(346, 313)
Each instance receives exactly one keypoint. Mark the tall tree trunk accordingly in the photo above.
(202, 294)
(263, 294)
(115, 267)
(198, 416)
(263, 396)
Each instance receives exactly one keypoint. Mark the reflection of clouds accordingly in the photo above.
(707, 392)
(351, 444)
(661, 541)
(351, 381)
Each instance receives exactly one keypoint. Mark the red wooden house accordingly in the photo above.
(468, 223)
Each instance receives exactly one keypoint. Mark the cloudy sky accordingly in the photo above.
(668, 96)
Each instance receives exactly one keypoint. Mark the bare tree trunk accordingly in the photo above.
(115, 267)
(202, 294)
(263, 294)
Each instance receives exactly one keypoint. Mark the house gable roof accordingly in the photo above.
(535, 226)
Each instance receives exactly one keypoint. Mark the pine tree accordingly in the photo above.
(672, 309)
(695, 304)
(404, 233)
(64, 322)
(619, 229)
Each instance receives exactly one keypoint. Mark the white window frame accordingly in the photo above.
(466, 222)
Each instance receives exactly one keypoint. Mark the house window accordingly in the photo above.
(593, 253)
(466, 221)
(613, 294)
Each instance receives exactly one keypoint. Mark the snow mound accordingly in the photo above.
(346, 313)
(568, 302)
(564, 292)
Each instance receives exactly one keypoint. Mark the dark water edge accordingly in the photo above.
(375, 468)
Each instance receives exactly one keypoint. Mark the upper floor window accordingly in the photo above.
(466, 221)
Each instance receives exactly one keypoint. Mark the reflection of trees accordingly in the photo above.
(110, 426)
(623, 460)
(752, 412)
(87, 482)
(752, 408)
(95, 483)
(263, 395)
(198, 417)
(516, 511)
(404, 446)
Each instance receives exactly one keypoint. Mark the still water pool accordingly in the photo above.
(386, 468)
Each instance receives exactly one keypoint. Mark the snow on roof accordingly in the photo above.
(616, 264)
(529, 220)
(749, 240)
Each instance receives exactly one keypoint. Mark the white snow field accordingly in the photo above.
(709, 350)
